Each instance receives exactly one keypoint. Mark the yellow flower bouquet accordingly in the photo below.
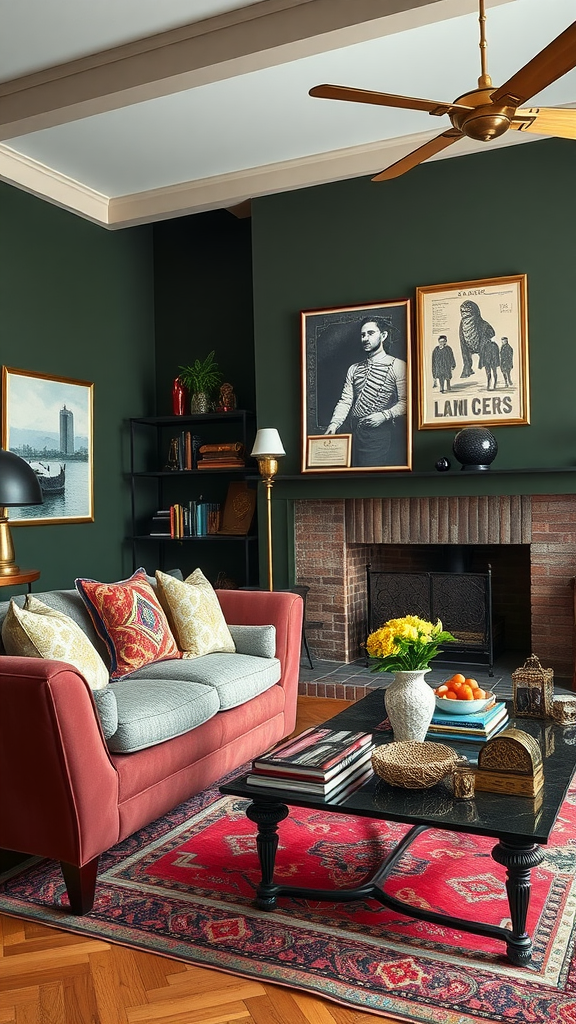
(407, 644)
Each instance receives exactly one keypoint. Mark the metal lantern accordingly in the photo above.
(533, 690)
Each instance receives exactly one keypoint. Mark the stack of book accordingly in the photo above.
(160, 525)
(473, 728)
(320, 761)
(221, 456)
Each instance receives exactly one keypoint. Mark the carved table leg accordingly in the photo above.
(267, 815)
(518, 861)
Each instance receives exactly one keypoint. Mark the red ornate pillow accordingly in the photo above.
(131, 622)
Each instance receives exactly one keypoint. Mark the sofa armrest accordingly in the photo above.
(282, 610)
(58, 786)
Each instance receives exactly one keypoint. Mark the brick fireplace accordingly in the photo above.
(336, 538)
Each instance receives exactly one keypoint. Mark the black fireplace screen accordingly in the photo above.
(461, 600)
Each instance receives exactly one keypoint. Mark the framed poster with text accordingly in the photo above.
(472, 342)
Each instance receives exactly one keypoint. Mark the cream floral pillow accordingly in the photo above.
(37, 631)
(194, 614)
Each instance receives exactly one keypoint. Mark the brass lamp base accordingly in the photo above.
(8, 566)
(268, 467)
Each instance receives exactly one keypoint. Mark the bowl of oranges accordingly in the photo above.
(460, 695)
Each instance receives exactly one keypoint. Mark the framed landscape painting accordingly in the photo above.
(356, 388)
(472, 343)
(48, 422)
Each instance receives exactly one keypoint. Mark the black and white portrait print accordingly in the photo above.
(356, 381)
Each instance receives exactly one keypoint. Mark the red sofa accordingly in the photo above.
(63, 795)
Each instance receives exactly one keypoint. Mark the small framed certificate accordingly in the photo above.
(328, 451)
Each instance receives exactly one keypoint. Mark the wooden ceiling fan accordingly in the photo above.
(484, 113)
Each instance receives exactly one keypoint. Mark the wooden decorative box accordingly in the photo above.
(533, 690)
(510, 762)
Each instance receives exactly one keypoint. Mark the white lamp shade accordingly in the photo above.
(267, 443)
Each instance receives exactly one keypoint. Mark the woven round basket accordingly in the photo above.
(413, 765)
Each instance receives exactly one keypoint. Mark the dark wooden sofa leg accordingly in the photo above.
(80, 885)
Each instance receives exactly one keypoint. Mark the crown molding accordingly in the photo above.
(46, 183)
(224, 190)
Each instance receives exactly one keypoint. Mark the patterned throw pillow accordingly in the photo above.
(195, 614)
(37, 631)
(131, 622)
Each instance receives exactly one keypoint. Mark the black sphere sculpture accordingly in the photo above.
(443, 464)
(475, 448)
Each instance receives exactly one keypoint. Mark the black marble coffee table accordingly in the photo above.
(520, 824)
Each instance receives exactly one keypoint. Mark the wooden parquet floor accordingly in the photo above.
(49, 976)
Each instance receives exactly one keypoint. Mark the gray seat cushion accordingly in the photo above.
(153, 710)
(235, 678)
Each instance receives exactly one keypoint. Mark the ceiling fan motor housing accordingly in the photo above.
(487, 121)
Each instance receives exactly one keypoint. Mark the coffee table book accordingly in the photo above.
(359, 769)
(478, 727)
(316, 754)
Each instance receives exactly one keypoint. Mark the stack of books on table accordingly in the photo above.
(320, 761)
(473, 728)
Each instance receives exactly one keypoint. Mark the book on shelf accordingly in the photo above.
(239, 508)
(344, 777)
(195, 519)
(221, 456)
(318, 751)
(221, 464)
(160, 523)
(227, 448)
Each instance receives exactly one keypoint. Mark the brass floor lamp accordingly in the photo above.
(268, 448)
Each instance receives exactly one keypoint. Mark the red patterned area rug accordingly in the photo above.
(184, 887)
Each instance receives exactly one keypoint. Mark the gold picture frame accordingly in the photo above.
(48, 421)
(356, 388)
(472, 353)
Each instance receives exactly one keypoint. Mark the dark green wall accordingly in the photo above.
(76, 301)
(507, 211)
(203, 298)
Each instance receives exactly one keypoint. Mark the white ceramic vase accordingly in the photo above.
(410, 704)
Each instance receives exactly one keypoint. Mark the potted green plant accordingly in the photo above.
(201, 378)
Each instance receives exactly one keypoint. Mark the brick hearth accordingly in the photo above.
(335, 539)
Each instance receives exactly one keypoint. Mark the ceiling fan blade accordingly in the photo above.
(417, 156)
(557, 121)
(551, 63)
(383, 99)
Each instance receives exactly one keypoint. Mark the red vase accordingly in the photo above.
(179, 397)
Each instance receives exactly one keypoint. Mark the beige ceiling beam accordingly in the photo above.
(261, 35)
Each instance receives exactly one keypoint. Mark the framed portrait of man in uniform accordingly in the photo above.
(356, 388)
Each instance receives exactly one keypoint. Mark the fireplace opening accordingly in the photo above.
(478, 578)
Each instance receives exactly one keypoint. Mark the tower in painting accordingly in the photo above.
(66, 431)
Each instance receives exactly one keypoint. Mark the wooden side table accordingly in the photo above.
(22, 576)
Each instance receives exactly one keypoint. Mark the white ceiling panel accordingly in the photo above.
(235, 125)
